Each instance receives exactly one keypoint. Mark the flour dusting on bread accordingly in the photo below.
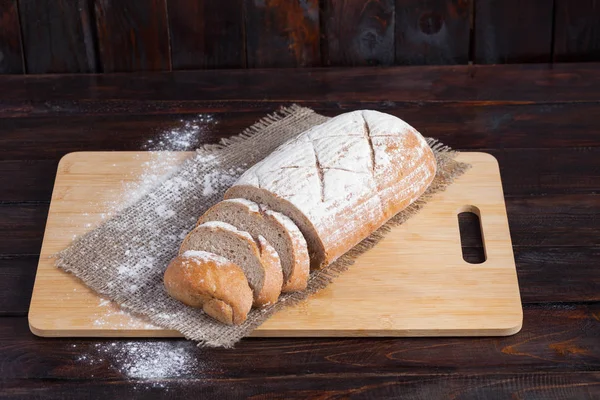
(205, 256)
(342, 179)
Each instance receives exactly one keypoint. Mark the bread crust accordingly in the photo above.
(213, 283)
(342, 180)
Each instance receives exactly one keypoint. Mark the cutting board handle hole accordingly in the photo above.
(471, 235)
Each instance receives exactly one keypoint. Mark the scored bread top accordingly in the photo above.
(343, 179)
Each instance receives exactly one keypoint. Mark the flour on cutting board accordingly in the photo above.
(187, 135)
(156, 171)
(109, 311)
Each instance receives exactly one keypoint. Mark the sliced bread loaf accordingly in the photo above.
(211, 282)
(276, 228)
(257, 258)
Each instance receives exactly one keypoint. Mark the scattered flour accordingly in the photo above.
(187, 136)
(214, 180)
(109, 314)
(146, 361)
(155, 171)
(163, 212)
(184, 137)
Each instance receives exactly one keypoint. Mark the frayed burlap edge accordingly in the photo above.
(448, 170)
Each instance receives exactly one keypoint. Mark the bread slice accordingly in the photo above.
(342, 180)
(257, 258)
(279, 230)
(211, 282)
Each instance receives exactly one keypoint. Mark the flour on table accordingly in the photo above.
(146, 361)
(184, 137)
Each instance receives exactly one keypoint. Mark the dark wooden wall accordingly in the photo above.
(72, 36)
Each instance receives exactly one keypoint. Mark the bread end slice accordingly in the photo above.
(205, 280)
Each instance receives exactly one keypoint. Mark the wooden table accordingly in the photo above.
(541, 122)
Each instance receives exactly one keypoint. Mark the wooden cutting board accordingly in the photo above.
(413, 283)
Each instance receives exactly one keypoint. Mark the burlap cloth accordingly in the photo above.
(124, 258)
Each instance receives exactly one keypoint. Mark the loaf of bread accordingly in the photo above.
(276, 228)
(257, 258)
(211, 282)
(341, 180)
(316, 196)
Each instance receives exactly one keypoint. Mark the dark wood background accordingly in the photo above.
(75, 36)
(540, 122)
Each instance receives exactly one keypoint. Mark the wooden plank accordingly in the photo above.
(11, 50)
(16, 284)
(89, 184)
(433, 32)
(58, 36)
(555, 338)
(21, 228)
(515, 84)
(466, 127)
(206, 34)
(475, 125)
(549, 171)
(560, 220)
(282, 33)
(487, 124)
(51, 138)
(358, 32)
(549, 274)
(559, 386)
(133, 35)
(577, 31)
(462, 125)
(25, 180)
(512, 31)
